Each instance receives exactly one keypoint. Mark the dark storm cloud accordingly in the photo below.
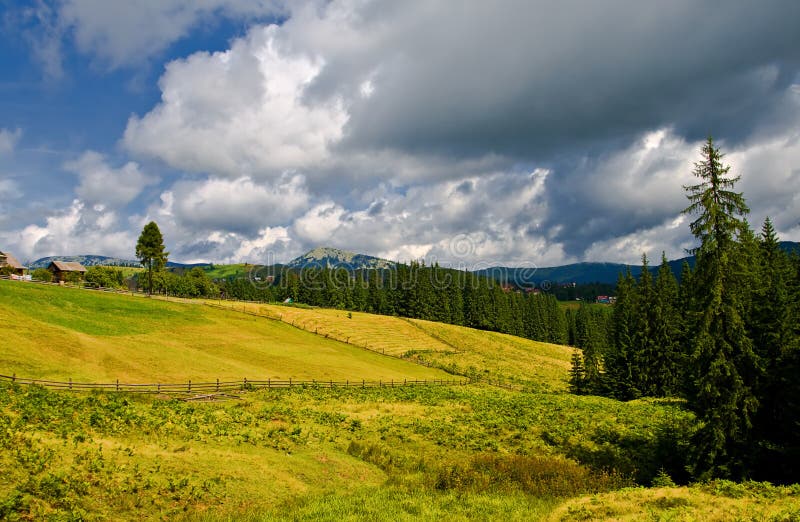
(531, 80)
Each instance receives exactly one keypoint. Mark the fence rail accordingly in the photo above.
(190, 387)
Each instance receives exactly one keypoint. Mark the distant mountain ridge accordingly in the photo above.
(591, 272)
(85, 260)
(326, 257)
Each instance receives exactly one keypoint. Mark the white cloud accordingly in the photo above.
(125, 33)
(103, 184)
(239, 112)
(74, 230)
(240, 205)
(9, 140)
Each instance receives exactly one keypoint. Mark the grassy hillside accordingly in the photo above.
(472, 452)
(59, 333)
(226, 271)
(462, 453)
(499, 357)
(464, 351)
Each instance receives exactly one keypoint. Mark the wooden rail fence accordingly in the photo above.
(190, 387)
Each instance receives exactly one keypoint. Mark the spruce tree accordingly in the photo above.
(619, 362)
(150, 251)
(644, 349)
(667, 332)
(772, 325)
(577, 374)
(723, 361)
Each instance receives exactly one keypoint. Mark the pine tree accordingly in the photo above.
(723, 361)
(150, 251)
(667, 330)
(619, 362)
(644, 350)
(577, 374)
(771, 325)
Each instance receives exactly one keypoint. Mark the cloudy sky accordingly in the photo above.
(476, 133)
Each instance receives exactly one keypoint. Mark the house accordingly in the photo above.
(9, 261)
(66, 271)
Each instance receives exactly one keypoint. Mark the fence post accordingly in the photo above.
(158, 387)
(14, 378)
(269, 383)
(245, 384)
(70, 383)
(117, 384)
(363, 383)
(190, 385)
(290, 382)
(217, 383)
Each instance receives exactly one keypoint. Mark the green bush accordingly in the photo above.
(105, 277)
(42, 274)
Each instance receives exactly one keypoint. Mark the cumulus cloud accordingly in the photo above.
(77, 229)
(239, 112)
(239, 205)
(125, 33)
(104, 185)
(509, 133)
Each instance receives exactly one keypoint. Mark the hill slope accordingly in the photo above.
(482, 355)
(59, 333)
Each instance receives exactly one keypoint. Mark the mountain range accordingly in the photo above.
(324, 257)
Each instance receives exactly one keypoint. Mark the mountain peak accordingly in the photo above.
(327, 257)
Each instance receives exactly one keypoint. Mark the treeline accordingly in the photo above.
(178, 283)
(415, 291)
(726, 338)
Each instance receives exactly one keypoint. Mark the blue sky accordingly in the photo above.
(516, 133)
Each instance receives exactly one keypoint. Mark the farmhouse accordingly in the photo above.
(9, 261)
(66, 270)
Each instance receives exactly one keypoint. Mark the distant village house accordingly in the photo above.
(64, 270)
(9, 261)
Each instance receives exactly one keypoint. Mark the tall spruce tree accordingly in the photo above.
(772, 325)
(619, 362)
(723, 360)
(644, 348)
(667, 330)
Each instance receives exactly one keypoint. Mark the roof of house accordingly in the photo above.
(68, 266)
(11, 260)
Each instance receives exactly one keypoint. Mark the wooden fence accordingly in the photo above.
(190, 387)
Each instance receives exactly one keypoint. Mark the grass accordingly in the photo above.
(60, 333)
(499, 357)
(462, 453)
(473, 452)
(464, 351)
(226, 271)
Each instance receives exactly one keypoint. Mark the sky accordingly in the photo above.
(518, 133)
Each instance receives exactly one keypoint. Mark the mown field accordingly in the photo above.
(475, 452)
(61, 333)
(486, 356)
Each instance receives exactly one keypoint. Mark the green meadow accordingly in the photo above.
(473, 452)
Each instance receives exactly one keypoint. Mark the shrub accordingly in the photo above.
(105, 276)
(542, 476)
(42, 274)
